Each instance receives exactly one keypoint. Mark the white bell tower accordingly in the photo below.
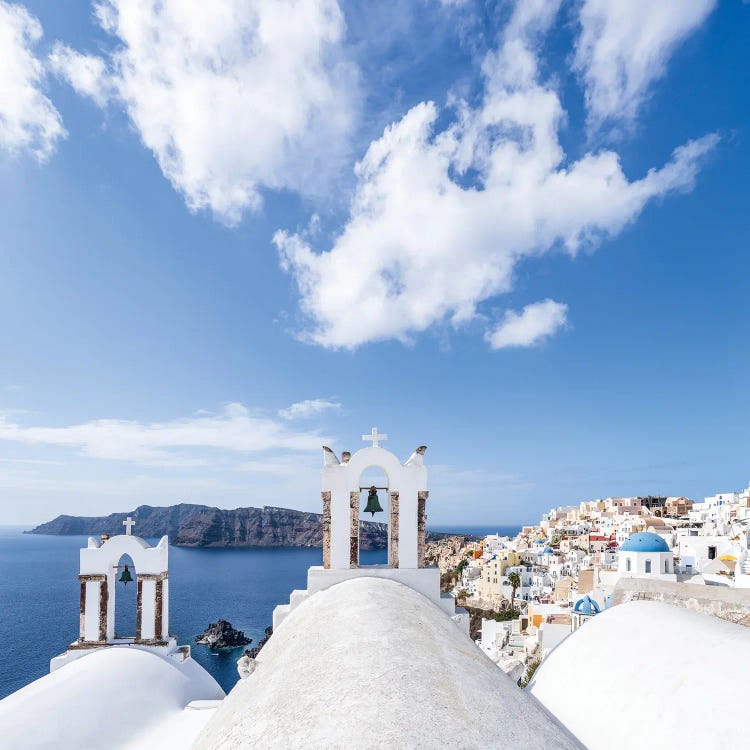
(407, 516)
(407, 496)
(99, 568)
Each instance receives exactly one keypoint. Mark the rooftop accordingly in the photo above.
(369, 663)
(644, 541)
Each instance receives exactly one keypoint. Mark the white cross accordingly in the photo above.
(375, 437)
(128, 523)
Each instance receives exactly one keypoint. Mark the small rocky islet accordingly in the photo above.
(221, 634)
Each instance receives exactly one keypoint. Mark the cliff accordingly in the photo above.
(449, 550)
(203, 526)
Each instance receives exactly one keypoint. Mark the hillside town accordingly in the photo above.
(527, 594)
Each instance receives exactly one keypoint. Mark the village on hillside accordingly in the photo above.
(527, 594)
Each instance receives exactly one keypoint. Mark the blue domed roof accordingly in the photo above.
(586, 606)
(644, 541)
(548, 551)
(539, 542)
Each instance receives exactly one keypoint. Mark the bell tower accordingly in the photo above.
(407, 517)
(407, 496)
(100, 576)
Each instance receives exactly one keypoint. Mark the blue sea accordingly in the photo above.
(39, 597)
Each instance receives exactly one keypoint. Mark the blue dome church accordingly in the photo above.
(645, 554)
(584, 609)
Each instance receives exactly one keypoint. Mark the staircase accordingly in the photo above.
(297, 597)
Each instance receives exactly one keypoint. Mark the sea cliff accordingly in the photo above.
(202, 526)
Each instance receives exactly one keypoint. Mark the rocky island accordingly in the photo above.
(221, 634)
(190, 525)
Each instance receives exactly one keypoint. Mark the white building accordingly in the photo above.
(646, 554)
(696, 552)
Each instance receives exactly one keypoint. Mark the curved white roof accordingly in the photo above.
(650, 675)
(111, 698)
(370, 663)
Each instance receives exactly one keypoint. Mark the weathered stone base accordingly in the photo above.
(354, 529)
(720, 601)
(326, 524)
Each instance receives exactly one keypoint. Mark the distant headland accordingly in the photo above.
(190, 525)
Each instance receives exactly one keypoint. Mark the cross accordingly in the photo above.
(128, 523)
(375, 437)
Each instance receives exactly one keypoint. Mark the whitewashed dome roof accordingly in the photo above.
(688, 691)
(370, 663)
(116, 697)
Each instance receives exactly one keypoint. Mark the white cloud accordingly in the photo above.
(87, 74)
(441, 219)
(309, 408)
(232, 98)
(28, 119)
(533, 324)
(174, 443)
(624, 46)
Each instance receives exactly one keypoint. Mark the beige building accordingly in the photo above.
(562, 589)
(585, 581)
(489, 587)
(678, 506)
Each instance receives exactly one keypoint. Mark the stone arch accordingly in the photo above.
(377, 458)
(388, 498)
(123, 597)
(392, 521)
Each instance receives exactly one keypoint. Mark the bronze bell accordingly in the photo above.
(125, 577)
(373, 504)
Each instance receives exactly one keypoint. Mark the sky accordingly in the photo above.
(232, 232)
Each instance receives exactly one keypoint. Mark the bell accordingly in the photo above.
(125, 577)
(373, 504)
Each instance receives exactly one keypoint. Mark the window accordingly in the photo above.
(712, 553)
(666, 566)
(648, 566)
(627, 565)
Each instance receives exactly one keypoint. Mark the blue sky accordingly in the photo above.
(542, 275)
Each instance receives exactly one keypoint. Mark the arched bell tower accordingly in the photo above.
(407, 491)
(407, 499)
(100, 575)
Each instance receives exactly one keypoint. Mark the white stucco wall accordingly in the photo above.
(658, 687)
(165, 610)
(91, 629)
(638, 563)
(148, 610)
(113, 698)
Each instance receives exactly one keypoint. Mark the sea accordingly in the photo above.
(39, 596)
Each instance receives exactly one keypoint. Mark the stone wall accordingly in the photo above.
(724, 602)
